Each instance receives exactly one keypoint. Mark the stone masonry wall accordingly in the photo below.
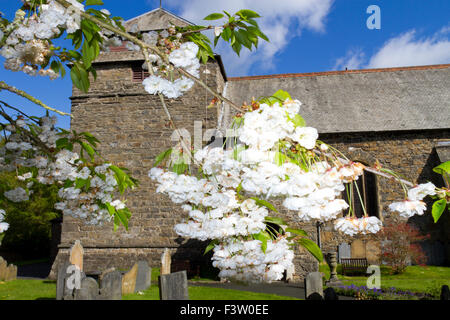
(412, 155)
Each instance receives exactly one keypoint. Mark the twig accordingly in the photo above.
(22, 93)
(368, 169)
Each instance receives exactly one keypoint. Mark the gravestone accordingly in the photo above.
(63, 292)
(76, 255)
(344, 251)
(173, 286)
(313, 284)
(166, 260)
(88, 291)
(373, 252)
(445, 293)
(144, 276)
(290, 271)
(330, 294)
(7, 272)
(358, 249)
(129, 280)
(111, 285)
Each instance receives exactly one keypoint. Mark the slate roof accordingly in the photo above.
(156, 19)
(391, 99)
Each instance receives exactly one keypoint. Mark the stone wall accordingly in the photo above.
(411, 154)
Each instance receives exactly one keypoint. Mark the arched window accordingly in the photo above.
(368, 193)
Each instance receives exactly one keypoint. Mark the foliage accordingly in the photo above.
(399, 242)
(29, 230)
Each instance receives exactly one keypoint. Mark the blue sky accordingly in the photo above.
(306, 36)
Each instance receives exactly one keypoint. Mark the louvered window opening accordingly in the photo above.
(139, 74)
(368, 191)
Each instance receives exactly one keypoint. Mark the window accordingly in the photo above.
(367, 187)
(139, 74)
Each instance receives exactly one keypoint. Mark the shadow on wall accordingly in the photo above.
(190, 256)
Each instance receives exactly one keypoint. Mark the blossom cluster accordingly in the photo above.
(353, 226)
(245, 261)
(413, 203)
(184, 57)
(222, 205)
(86, 189)
(27, 47)
(3, 225)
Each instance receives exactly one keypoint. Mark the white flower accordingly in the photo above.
(16, 195)
(421, 191)
(218, 31)
(3, 227)
(347, 225)
(408, 208)
(305, 136)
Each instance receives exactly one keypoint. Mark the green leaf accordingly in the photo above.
(211, 246)
(297, 232)
(248, 13)
(91, 152)
(94, 2)
(263, 236)
(280, 158)
(298, 121)
(163, 155)
(276, 220)
(438, 208)
(312, 247)
(264, 203)
(226, 34)
(442, 168)
(281, 95)
(213, 16)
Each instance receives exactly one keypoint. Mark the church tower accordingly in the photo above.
(133, 130)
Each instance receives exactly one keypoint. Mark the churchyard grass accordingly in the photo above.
(416, 279)
(30, 289)
(206, 293)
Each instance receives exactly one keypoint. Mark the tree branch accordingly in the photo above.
(22, 93)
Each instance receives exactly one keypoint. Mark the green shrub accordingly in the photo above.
(29, 232)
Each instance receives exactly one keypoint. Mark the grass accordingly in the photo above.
(207, 293)
(29, 289)
(423, 279)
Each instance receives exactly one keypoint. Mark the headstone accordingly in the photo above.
(314, 296)
(144, 276)
(358, 249)
(110, 285)
(313, 284)
(173, 286)
(88, 291)
(373, 252)
(7, 272)
(129, 280)
(330, 294)
(445, 292)
(344, 251)
(76, 254)
(290, 271)
(166, 260)
(63, 292)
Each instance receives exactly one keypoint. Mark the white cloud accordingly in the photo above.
(352, 60)
(406, 50)
(281, 21)
(401, 51)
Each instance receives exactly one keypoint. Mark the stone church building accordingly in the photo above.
(398, 116)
